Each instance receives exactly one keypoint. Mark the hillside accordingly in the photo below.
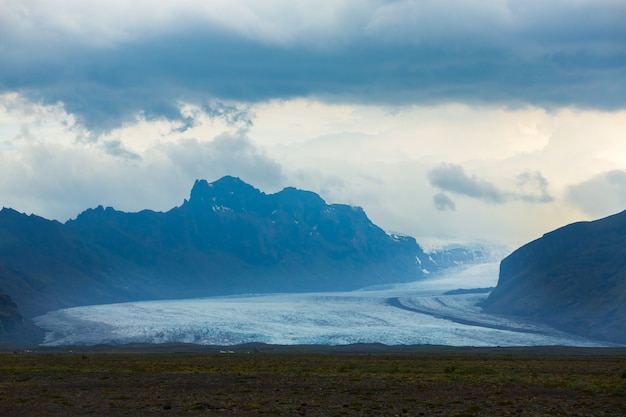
(228, 238)
(573, 278)
(9, 315)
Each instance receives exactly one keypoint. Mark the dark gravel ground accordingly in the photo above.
(358, 380)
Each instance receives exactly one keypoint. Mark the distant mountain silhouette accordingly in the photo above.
(573, 278)
(227, 238)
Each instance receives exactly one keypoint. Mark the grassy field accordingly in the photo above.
(309, 381)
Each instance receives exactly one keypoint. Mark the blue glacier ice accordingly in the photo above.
(403, 314)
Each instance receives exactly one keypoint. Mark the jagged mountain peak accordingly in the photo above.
(227, 191)
(227, 183)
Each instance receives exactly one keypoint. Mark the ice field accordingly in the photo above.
(403, 314)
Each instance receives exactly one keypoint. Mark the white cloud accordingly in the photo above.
(108, 23)
(601, 195)
(454, 132)
(376, 157)
(48, 169)
(304, 22)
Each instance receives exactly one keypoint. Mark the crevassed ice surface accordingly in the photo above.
(403, 314)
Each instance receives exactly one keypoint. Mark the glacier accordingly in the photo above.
(401, 314)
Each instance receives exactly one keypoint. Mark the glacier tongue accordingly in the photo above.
(416, 313)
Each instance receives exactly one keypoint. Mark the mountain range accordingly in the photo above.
(573, 278)
(228, 238)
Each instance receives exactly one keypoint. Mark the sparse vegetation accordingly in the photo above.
(300, 381)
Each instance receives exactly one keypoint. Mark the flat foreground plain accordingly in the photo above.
(313, 381)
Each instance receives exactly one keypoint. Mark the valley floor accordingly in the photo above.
(360, 380)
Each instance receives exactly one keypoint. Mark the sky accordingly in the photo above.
(450, 121)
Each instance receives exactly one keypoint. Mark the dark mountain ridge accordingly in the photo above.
(228, 238)
(573, 278)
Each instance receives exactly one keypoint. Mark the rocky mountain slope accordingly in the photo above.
(227, 238)
(9, 315)
(573, 278)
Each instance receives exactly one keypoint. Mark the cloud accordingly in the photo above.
(601, 195)
(303, 23)
(116, 148)
(532, 187)
(109, 62)
(452, 178)
(443, 202)
(227, 154)
(233, 114)
(48, 172)
(363, 155)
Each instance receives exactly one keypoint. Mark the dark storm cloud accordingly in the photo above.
(532, 187)
(560, 56)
